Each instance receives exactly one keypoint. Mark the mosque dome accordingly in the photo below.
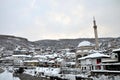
(85, 43)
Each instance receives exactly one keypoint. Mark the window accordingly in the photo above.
(98, 61)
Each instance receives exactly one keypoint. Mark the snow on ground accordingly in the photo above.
(7, 76)
(46, 71)
(70, 77)
(30, 71)
(103, 77)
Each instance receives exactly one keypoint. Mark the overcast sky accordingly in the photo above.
(57, 19)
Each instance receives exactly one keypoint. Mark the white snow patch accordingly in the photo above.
(7, 76)
(94, 55)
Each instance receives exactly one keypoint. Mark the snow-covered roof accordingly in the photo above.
(79, 51)
(67, 49)
(94, 55)
(70, 53)
(110, 60)
(52, 61)
(21, 55)
(42, 60)
(71, 63)
(31, 61)
(55, 55)
(59, 60)
(85, 43)
(116, 50)
(50, 56)
(7, 58)
(23, 50)
(40, 56)
(85, 50)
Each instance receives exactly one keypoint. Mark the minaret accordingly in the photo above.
(96, 34)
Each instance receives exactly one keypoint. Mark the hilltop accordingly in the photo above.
(10, 42)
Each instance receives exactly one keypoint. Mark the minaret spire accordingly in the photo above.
(96, 34)
(94, 22)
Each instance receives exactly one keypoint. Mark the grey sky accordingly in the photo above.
(56, 19)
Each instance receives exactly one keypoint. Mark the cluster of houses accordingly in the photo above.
(83, 57)
(35, 57)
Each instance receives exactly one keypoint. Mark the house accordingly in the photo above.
(31, 62)
(70, 59)
(92, 61)
(7, 61)
(111, 66)
(42, 60)
(18, 59)
(112, 63)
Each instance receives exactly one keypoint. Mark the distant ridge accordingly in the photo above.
(6, 36)
(10, 42)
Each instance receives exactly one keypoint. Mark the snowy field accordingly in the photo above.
(7, 76)
(55, 72)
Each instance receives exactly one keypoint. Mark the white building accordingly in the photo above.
(18, 59)
(92, 61)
